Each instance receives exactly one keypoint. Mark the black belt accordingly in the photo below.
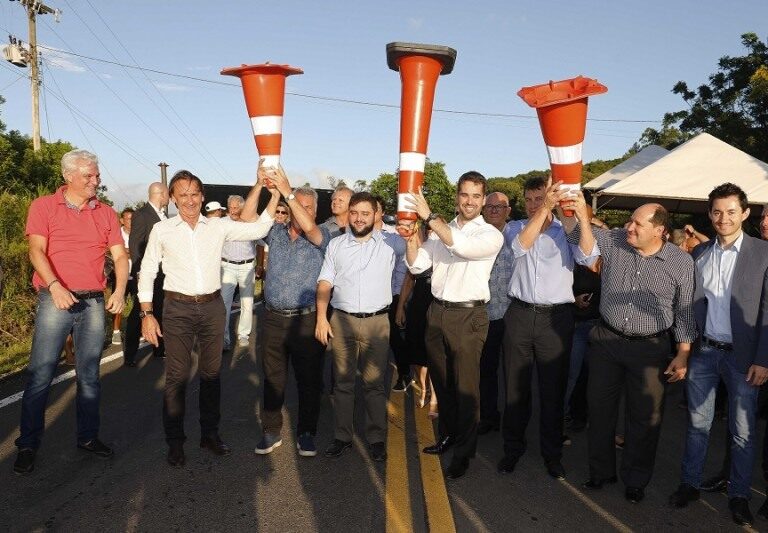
(632, 337)
(540, 308)
(459, 305)
(244, 261)
(364, 315)
(292, 312)
(723, 346)
(86, 295)
(198, 299)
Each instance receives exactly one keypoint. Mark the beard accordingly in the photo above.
(360, 233)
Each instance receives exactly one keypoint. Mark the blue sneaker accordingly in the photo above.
(306, 445)
(268, 443)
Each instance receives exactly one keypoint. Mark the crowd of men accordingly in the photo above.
(502, 291)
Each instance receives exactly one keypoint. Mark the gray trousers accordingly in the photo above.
(360, 343)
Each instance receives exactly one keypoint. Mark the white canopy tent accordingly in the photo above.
(640, 160)
(682, 179)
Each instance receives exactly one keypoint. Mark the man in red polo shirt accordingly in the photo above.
(68, 233)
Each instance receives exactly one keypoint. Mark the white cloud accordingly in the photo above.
(106, 76)
(61, 60)
(170, 87)
(415, 23)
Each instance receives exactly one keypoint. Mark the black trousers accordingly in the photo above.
(454, 339)
(187, 324)
(291, 338)
(489, 372)
(133, 324)
(544, 339)
(397, 342)
(635, 368)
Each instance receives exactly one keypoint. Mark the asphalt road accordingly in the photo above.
(137, 491)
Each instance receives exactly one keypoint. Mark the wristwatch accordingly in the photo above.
(430, 218)
(290, 197)
(144, 314)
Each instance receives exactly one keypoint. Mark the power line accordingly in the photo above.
(336, 99)
(211, 160)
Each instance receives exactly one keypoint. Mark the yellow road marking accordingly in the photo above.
(397, 495)
(436, 504)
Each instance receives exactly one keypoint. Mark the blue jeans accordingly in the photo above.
(86, 320)
(705, 368)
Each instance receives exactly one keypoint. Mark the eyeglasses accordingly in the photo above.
(281, 212)
(496, 207)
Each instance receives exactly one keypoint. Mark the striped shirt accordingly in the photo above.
(644, 295)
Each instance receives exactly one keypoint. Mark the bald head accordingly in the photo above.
(158, 194)
(646, 228)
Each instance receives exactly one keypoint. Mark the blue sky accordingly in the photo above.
(638, 49)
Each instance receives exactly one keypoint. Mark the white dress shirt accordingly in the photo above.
(191, 259)
(460, 272)
(360, 273)
(714, 271)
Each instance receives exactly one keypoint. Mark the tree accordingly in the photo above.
(733, 106)
(360, 185)
(438, 190)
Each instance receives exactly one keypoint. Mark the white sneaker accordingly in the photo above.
(243, 342)
(116, 338)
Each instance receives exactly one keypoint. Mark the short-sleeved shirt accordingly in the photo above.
(360, 273)
(77, 240)
(293, 268)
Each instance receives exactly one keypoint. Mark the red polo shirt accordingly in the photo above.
(77, 239)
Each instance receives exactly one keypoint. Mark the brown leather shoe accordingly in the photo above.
(176, 456)
(215, 445)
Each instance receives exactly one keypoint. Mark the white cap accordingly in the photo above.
(213, 206)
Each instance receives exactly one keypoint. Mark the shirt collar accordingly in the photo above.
(93, 203)
(178, 220)
(735, 246)
(477, 221)
(376, 236)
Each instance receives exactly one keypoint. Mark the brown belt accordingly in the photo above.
(197, 299)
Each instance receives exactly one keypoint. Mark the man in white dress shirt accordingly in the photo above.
(461, 254)
(189, 248)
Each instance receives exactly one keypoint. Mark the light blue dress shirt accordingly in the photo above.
(360, 273)
(543, 274)
(397, 243)
(714, 271)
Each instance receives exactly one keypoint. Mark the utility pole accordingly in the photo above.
(34, 8)
(164, 180)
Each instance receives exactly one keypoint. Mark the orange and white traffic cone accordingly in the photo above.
(264, 90)
(419, 66)
(562, 110)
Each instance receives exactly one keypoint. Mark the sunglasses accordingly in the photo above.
(281, 212)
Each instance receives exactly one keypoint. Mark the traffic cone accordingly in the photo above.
(419, 66)
(264, 90)
(562, 110)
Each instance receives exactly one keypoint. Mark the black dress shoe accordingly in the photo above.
(506, 465)
(715, 484)
(440, 447)
(763, 511)
(595, 483)
(555, 469)
(130, 364)
(634, 495)
(176, 456)
(457, 468)
(337, 447)
(740, 511)
(486, 427)
(96, 447)
(215, 445)
(685, 493)
(25, 461)
(378, 451)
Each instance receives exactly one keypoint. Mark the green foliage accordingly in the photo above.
(733, 106)
(438, 190)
